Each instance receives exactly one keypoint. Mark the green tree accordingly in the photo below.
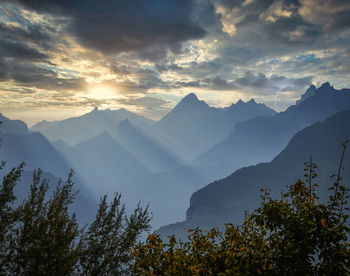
(110, 237)
(47, 239)
(8, 217)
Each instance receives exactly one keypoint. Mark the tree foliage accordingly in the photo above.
(110, 237)
(41, 237)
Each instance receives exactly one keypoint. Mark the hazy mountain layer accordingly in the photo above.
(75, 130)
(262, 138)
(194, 126)
(12, 126)
(148, 151)
(17, 145)
(226, 200)
(104, 165)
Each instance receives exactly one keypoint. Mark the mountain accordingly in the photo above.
(103, 164)
(261, 138)
(75, 130)
(194, 126)
(147, 150)
(311, 91)
(41, 126)
(226, 200)
(12, 126)
(18, 145)
(35, 150)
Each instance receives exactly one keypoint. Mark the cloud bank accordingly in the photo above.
(146, 54)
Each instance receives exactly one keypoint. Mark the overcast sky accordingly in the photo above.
(60, 58)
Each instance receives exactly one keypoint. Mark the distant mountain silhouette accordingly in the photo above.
(225, 201)
(261, 138)
(75, 130)
(194, 126)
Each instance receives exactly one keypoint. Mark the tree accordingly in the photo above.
(40, 237)
(109, 238)
(47, 236)
(8, 217)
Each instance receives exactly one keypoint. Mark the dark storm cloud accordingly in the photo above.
(216, 83)
(19, 50)
(33, 33)
(251, 82)
(29, 74)
(264, 84)
(191, 84)
(116, 25)
(3, 71)
(332, 15)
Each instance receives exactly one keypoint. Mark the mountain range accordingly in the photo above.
(18, 145)
(194, 126)
(164, 162)
(226, 200)
(261, 138)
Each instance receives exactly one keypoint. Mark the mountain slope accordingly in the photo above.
(104, 164)
(17, 145)
(261, 138)
(226, 200)
(194, 126)
(75, 130)
(12, 126)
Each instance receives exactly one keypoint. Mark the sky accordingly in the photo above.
(61, 58)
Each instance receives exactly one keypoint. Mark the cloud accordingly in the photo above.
(30, 75)
(114, 26)
(261, 84)
(155, 50)
(253, 84)
(33, 33)
(331, 15)
(18, 50)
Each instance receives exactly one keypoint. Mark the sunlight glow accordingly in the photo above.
(102, 92)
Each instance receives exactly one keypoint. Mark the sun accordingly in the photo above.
(102, 92)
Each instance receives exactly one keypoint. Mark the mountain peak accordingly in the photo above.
(240, 102)
(325, 88)
(311, 91)
(252, 101)
(325, 85)
(192, 98)
(95, 109)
